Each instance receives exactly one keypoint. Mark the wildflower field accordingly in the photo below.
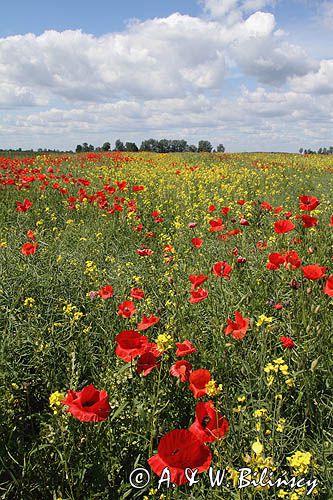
(165, 311)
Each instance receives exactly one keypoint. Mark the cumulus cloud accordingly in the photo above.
(316, 82)
(165, 77)
(232, 11)
(160, 57)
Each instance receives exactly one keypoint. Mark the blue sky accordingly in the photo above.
(254, 74)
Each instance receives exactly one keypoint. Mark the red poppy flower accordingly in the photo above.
(211, 208)
(328, 289)
(209, 424)
(287, 342)
(225, 210)
(192, 225)
(275, 260)
(198, 295)
(185, 348)
(130, 344)
(178, 450)
(138, 188)
(283, 226)
(292, 260)
(121, 185)
(262, 245)
(146, 363)
(88, 405)
(23, 207)
(144, 252)
(222, 269)
(137, 294)
(331, 223)
(181, 369)
(197, 242)
(31, 235)
(241, 202)
(237, 328)
(29, 248)
(197, 280)
(278, 306)
(106, 292)
(266, 205)
(216, 225)
(308, 203)
(152, 347)
(277, 210)
(244, 222)
(147, 322)
(309, 221)
(314, 272)
(126, 309)
(198, 381)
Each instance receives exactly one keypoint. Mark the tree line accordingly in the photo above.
(321, 151)
(155, 146)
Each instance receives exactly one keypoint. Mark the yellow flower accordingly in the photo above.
(164, 342)
(260, 413)
(280, 425)
(284, 369)
(300, 461)
(264, 319)
(290, 382)
(55, 400)
(212, 388)
(29, 302)
(233, 475)
(257, 447)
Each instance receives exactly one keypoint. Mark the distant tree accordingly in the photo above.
(119, 145)
(204, 146)
(85, 147)
(106, 146)
(164, 146)
(320, 150)
(325, 151)
(91, 147)
(78, 148)
(131, 147)
(220, 148)
(300, 150)
(150, 145)
(330, 151)
(192, 148)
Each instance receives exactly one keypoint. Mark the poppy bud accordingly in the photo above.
(295, 284)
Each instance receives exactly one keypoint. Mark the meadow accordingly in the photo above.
(165, 311)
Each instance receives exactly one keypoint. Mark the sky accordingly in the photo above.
(255, 75)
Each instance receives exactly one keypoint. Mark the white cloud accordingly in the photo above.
(232, 11)
(319, 82)
(159, 57)
(166, 77)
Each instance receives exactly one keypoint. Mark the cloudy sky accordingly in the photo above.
(252, 74)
